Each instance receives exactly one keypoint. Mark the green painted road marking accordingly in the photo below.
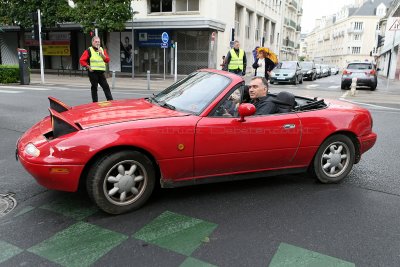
(75, 208)
(7, 251)
(288, 256)
(176, 232)
(81, 244)
(24, 210)
(191, 262)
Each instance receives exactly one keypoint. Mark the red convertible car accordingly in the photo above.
(198, 130)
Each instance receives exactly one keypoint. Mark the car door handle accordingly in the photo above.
(289, 126)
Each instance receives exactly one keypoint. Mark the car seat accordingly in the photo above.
(285, 102)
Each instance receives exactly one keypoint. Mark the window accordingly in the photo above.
(186, 5)
(357, 37)
(356, 50)
(237, 20)
(173, 5)
(248, 24)
(358, 25)
(160, 6)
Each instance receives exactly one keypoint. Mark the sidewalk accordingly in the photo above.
(121, 82)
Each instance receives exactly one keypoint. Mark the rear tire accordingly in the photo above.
(121, 182)
(334, 159)
(373, 87)
(301, 80)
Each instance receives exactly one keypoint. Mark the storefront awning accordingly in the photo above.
(176, 23)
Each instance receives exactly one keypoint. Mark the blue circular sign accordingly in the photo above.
(164, 37)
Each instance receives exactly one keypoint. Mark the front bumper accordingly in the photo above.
(57, 177)
(282, 79)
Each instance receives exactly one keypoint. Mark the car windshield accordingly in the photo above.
(194, 93)
(359, 66)
(306, 65)
(286, 65)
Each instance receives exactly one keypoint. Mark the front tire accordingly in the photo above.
(334, 159)
(121, 182)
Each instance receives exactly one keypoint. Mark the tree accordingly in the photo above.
(107, 15)
(15, 12)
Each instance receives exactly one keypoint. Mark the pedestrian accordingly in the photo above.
(95, 59)
(255, 52)
(223, 65)
(236, 60)
(264, 64)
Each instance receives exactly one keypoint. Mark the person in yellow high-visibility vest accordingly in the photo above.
(95, 59)
(235, 60)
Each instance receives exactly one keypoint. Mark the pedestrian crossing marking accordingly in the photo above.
(10, 92)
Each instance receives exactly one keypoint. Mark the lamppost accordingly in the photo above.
(133, 44)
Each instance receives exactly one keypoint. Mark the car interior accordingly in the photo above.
(286, 102)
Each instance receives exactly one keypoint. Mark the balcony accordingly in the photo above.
(293, 4)
(300, 12)
(352, 30)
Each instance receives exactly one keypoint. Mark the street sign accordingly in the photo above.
(164, 45)
(164, 37)
(396, 25)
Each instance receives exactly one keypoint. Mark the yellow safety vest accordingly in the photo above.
(96, 61)
(236, 61)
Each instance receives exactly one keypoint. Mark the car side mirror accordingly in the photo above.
(246, 110)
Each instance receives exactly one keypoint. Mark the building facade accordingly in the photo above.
(349, 35)
(202, 30)
(388, 55)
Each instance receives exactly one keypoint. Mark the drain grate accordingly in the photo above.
(7, 203)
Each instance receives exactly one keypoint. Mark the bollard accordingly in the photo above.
(113, 80)
(353, 86)
(148, 80)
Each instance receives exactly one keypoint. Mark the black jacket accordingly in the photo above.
(264, 105)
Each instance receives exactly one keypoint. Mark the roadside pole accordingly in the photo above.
(176, 62)
(41, 48)
(164, 45)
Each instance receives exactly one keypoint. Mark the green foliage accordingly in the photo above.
(302, 58)
(16, 12)
(107, 16)
(9, 73)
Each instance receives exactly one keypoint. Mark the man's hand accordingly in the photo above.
(89, 68)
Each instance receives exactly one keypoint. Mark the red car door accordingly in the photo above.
(225, 145)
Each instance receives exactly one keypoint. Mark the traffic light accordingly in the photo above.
(35, 31)
(381, 40)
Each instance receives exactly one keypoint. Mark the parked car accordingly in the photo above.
(309, 70)
(183, 135)
(318, 69)
(325, 70)
(365, 72)
(334, 70)
(287, 71)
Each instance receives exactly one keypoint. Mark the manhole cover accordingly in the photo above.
(7, 204)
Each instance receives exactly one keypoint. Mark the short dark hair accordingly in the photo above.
(263, 80)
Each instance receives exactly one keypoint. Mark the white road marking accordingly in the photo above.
(10, 92)
(370, 105)
(25, 88)
(333, 87)
(312, 85)
(345, 95)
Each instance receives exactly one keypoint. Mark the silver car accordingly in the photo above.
(365, 73)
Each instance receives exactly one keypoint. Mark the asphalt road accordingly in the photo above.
(279, 221)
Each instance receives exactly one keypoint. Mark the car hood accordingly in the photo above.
(284, 71)
(108, 112)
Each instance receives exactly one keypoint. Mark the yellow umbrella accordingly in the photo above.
(269, 54)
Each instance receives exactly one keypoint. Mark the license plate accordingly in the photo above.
(281, 78)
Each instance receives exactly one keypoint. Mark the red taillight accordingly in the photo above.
(372, 72)
(346, 72)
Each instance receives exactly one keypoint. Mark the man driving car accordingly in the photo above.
(258, 91)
